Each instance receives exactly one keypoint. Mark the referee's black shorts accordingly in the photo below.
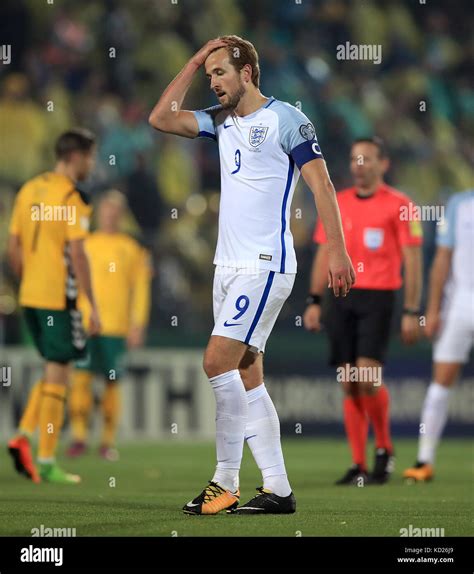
(358, 325)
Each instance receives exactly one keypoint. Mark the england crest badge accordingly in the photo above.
(257, 135)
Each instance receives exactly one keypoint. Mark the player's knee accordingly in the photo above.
(212, 365)
(370, 387)
(369, 375)
(446, 374)
(250, 380)
(350, 389)
(446, 383)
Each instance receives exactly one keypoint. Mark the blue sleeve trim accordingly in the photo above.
(204, 134)
(205, 120)
(445, 233)
(305, 152)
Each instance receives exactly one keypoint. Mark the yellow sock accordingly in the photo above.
(30, 418)
(80, 404)
(111, 411)
(51, 418)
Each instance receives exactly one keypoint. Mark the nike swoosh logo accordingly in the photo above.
(192, 504)
(249, 437)
(250, 508)
(231, 324)
(229, 126)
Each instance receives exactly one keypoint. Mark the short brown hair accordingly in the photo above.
(377, 142)
(77, 139)
(242, 52)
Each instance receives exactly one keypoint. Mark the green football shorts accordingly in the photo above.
(104, 356)
(59, 336)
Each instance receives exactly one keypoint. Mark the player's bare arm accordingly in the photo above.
(82, 271)
(167, 115)
(341, 275)
(14, 254)
(135, 337)
(412, 260)
(439, 274)
(318, 283)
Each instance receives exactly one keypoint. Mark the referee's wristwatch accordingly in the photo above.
(313, 299)
(411, 312)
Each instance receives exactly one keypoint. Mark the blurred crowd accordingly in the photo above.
(103, 64)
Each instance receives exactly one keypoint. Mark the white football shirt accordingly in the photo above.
(456, 231)
(261, 155)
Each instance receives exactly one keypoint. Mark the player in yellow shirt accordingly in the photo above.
(49, 223)
(121, 282)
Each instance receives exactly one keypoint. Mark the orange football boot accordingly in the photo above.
(421, 472)
(212, 500)
(20, 450)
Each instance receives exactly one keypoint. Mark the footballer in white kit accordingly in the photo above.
(260, 156)
(449, 321)
(263, 145)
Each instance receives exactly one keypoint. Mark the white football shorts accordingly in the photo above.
(248, 302)
(456, 335)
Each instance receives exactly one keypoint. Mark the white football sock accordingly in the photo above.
(433, 418)
(231, 418)
(263, 437)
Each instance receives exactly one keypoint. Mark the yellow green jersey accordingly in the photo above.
(121, 276)
(48, 213)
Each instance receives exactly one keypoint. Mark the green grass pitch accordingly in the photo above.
(153, 481)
